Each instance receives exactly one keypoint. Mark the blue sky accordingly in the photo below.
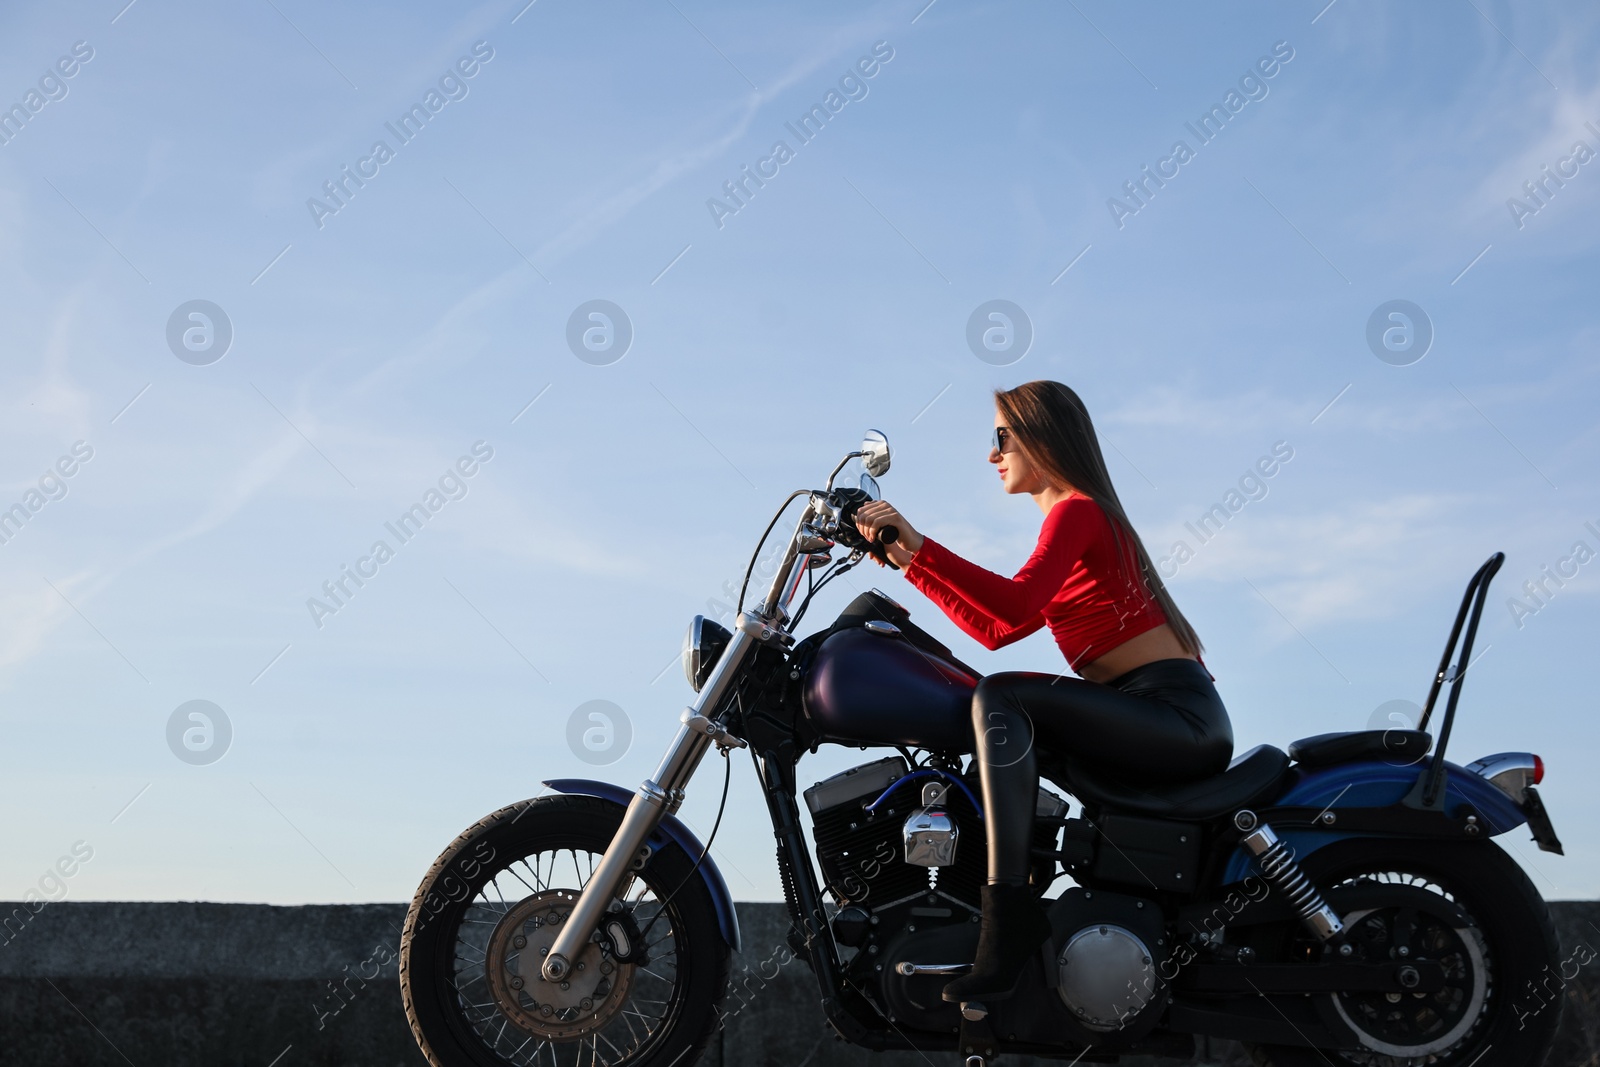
(375, 346)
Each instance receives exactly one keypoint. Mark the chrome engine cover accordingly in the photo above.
(1107, 976)
(930, 837)
(930, 832)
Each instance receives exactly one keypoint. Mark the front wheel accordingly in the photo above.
(1466, 906)
(489, 909)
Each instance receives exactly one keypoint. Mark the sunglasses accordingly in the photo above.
(1002, 441)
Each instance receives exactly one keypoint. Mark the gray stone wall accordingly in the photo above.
(242, 985)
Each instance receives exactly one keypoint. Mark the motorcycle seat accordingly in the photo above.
(1248, 779)
(1324, 750)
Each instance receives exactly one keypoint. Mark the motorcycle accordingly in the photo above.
(1339, 902)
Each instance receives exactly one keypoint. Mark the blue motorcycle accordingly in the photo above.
(1342, 902)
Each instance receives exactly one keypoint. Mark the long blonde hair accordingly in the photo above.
(1052, 426)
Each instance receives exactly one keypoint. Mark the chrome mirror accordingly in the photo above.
(875, 453)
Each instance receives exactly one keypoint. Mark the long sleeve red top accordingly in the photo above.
(1079, 580)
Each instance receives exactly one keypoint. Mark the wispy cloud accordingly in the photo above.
(1360, 559)
(30, 612)
(452, 334)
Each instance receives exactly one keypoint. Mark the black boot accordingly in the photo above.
(1014, 926)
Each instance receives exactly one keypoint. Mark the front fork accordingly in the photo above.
(662, 794)
(657, 797)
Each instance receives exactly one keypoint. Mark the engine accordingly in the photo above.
(864, 854)
(908, 858)
(906, 874)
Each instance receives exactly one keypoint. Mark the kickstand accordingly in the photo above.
(977, 1039)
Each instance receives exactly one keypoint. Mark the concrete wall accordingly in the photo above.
(241, 985)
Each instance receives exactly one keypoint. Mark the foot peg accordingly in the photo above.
(978, 1043)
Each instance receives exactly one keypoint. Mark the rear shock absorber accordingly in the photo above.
(1276, 860)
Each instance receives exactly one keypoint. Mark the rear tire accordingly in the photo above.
(1514, 943)
(501, 890)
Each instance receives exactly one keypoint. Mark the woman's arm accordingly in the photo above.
(1015, 601)
(987, 631)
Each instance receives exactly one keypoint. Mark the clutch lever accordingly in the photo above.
(848, 535)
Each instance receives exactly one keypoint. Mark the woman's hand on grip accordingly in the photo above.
(874, 516)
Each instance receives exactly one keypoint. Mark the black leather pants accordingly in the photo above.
(1160, 722)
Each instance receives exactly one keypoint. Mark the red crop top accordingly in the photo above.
(1074, 581)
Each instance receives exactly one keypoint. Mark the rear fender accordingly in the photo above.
(671, 831)
(1376, 784)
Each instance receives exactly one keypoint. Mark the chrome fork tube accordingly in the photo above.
(775, 600)
(656, 798)
(645, 812)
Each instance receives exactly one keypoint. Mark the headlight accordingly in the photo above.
(702, 647)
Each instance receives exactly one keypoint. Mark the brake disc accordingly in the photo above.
(594, 992)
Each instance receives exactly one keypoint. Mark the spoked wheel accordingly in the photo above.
(1420, 925)
(484, 919)
(1467, 908)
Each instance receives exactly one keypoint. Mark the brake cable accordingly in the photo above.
(727, 777)
(764, 534)
(829, 575)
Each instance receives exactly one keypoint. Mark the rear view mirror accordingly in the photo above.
(875, 453)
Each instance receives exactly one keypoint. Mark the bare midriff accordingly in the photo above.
(1148, 647)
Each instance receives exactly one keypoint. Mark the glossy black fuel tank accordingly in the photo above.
(880, 689)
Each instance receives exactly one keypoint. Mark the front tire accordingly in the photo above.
(498, 894)
(1500, 945)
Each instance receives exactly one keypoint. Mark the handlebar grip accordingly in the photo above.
(887, 535)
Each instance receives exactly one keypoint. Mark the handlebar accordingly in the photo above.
(829, 518)
(849, 536)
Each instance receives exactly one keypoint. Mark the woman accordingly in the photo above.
(1144, 703)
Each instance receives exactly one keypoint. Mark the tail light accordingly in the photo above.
(1511, 772)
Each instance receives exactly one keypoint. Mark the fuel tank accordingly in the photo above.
(872, 685)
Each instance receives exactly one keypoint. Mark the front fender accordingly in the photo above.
(1375, 784)
(671, 831)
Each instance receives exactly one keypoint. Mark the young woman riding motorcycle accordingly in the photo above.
(1143, 705)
